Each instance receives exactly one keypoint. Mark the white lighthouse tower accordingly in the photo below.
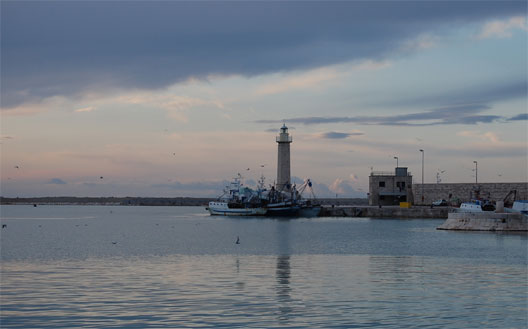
(283, 160)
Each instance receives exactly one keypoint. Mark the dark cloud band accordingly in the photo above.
(463, 114)
(65, 48)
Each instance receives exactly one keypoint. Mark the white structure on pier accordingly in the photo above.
(283, 160)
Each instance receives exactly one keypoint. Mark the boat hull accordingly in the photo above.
(289, 211)
(222, 209)
(309, 211)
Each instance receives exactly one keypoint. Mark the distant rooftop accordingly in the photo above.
(387, 173)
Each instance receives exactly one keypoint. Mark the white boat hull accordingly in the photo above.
(222, 209)
(469, 207)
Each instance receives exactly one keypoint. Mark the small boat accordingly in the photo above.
(476, 206)
(519, 206)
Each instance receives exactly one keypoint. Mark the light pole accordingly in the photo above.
(476, 172)
(396, 161)
(422, 175)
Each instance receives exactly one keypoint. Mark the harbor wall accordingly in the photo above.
(385, 212)
(464, 192)
(485, 221)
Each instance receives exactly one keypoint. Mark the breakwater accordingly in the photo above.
(485, 221)
(384, 212)
(464, 192)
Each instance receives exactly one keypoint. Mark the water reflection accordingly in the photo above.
(283, 272)
(240, 285)
(283, 288)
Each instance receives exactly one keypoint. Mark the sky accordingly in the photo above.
(174, 98)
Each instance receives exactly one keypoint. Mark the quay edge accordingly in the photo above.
(486, 221)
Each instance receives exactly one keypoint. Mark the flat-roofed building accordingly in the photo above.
(390, 188)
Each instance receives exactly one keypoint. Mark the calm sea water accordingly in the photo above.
(178, 267)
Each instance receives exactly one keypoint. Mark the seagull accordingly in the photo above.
(114, 242)
(238, 240)
(101, 177)
(4, 225)
(17, 167)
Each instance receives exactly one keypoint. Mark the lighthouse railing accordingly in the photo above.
(286, 139)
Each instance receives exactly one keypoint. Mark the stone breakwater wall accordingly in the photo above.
(465, 191)
(486, 221)
(385, 212)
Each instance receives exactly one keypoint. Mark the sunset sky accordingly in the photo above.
(174, 98)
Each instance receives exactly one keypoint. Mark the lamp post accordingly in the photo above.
(422, 175)
(396, 161)
(476, 172)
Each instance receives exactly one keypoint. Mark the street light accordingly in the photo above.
(476, 172)
(396, 161)
(422, 175)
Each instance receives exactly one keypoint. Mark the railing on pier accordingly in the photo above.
(386, 173)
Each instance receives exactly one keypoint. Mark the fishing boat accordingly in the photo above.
(227, 209)
(238, 200)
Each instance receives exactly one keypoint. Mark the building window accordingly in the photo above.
(381, 184)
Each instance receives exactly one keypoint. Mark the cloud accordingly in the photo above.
(519, 117)
(423, 41)
(338, 135)
(485, 93)
(503, 28)
(317, 78)
(55, 48)
(307, 80)
(86, 109)
(342, 187)
(57, 181)
(345, 188)
(489, 136)
(176, 106)
(460, 114)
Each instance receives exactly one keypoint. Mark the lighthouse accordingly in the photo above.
(283, 160)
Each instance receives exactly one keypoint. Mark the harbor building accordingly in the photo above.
(283, 160)
(390, 188)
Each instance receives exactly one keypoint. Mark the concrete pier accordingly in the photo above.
(485, 221)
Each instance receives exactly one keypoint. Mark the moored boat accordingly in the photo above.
(238, 200)
(476, 206)
(519, 206)
(226, 209)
